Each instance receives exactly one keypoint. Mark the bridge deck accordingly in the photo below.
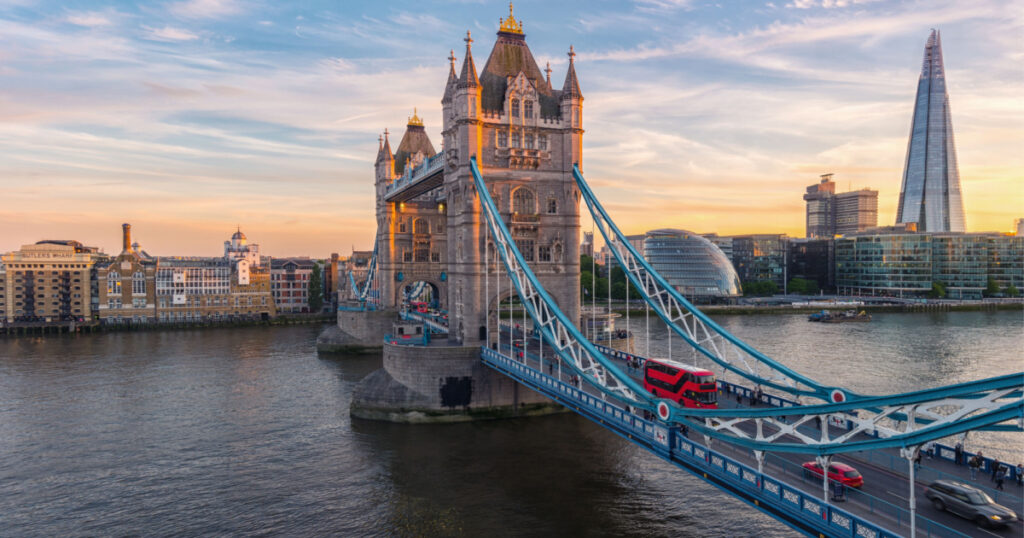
(880, 504)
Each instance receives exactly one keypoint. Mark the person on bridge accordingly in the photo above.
(958, 454)
(917, 460)
(1020, 474)
(1000, 475)
(995, 468)
(973, 465)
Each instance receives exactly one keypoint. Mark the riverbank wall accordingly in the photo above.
(69, 328)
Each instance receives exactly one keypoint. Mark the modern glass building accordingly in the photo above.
(960, 262)
(894, 265)
(930, 193)
(693, 265)
(760, 258)
(897, 263)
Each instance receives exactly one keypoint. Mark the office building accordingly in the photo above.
(830, 214)
(760, 258)
(289, 279)
(930, 192)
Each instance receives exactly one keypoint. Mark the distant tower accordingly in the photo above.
(930, 195)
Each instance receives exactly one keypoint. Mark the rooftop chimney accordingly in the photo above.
(126, 237)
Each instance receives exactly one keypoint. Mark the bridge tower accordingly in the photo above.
(412, 241)
(526, 136)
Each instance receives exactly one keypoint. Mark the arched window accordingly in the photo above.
(420, 226)
(139, 283)
(524, 202)
(528, 109)
(514, 108)
(113, 283)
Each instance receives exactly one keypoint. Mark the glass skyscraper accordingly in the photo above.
(930, 194)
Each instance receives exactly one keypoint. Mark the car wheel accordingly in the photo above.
(938, 504)
(982, 521)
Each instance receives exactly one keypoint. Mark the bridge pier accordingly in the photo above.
(357, 331)
(433, 384)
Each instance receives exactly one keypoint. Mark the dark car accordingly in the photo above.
(968, 502)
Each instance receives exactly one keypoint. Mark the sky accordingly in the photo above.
(187, 118)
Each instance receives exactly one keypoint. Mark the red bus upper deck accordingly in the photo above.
(685, 384)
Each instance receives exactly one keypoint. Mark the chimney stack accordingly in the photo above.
(126, 240)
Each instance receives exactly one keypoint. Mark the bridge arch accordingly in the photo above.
(420, 290)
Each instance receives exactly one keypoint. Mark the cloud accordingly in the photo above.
(827, 4)
(205, 9)
(90, 19)
(169, 33)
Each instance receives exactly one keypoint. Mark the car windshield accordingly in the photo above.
(703, 379)
(978, 497)
(851, 474)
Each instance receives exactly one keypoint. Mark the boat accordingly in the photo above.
(849, 315)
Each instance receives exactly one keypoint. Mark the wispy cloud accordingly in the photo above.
(169, 33)
(205, 9)
(91, 19)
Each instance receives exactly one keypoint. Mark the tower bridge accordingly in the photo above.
(494, 220)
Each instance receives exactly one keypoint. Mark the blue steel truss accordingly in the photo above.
(975, 404)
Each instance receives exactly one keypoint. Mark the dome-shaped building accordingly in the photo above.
(694, 266)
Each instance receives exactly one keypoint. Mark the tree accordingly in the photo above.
(1012, 291)
(803, 286)
(760, 288)
(619, 291)
(316, 289)
(938, 290)
(992, 289)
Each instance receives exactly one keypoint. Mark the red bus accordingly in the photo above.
(687, 385)
(418, 306)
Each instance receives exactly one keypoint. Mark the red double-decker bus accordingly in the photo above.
(688, 385)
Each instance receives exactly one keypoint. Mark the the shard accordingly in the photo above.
(930, 194)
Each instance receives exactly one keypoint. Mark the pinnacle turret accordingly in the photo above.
(468, 78)
(571, 88)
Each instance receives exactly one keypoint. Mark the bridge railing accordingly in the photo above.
(427, 167)
(703, 461)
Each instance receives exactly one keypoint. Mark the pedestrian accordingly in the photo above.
(973, 465)
(929, 449)
(958, 454)
(1020, 474)
(995, 467)
(1000, 475)
(917, 460)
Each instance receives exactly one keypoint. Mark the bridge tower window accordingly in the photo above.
(401, 226)
(528, 141)
(421, 226)
(526, 247)
(524, 202)
(514, 108)
(502, 139)
(552, 206)
(515, 140)
(528, 109)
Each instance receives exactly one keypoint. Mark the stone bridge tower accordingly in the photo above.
(411, 241)
(526, 136)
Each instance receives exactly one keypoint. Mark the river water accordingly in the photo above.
(246, 431)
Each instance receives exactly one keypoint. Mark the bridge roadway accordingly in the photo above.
(883, 497)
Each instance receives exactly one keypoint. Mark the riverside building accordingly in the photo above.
(900, 262)
(692, 265)
(48, 282)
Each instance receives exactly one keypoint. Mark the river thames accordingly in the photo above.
(247, 431)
